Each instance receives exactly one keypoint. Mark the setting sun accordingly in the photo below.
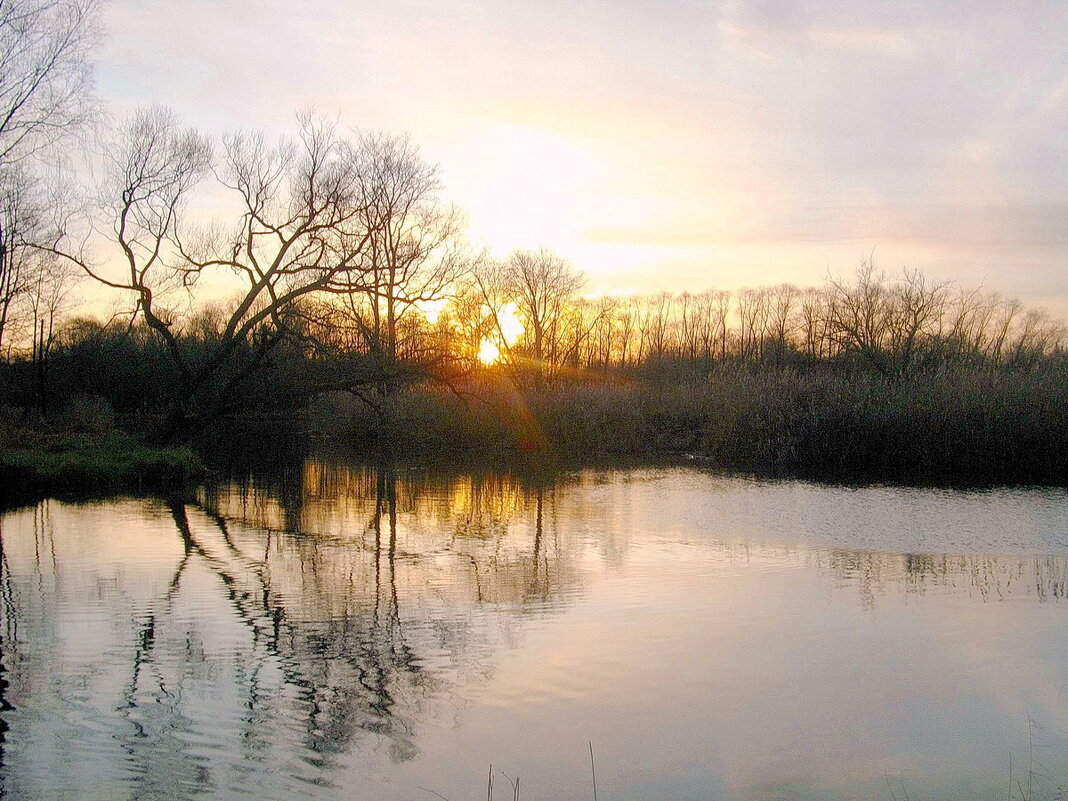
(488, 352)
(507, 330)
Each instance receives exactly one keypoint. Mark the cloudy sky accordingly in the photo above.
(669, 144)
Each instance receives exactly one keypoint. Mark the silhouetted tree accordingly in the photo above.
(45, 95)
(412, 259)
(543, 286)
(301, 232)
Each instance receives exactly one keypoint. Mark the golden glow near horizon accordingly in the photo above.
(488, 352)
(509, 325)
(674, 150)
(506, 333)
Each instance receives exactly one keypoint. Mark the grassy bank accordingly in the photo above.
(958, 424)
(36, 462)
(946, 426)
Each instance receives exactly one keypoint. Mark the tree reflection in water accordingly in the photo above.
(281, 635)
(304, 631)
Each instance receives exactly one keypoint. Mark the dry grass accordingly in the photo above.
(958, 423)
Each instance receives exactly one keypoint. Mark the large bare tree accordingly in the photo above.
(299, 230)
(542, 285)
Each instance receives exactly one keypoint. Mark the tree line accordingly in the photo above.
(250, 274)
(887, 324)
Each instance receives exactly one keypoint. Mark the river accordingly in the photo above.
(366, 632)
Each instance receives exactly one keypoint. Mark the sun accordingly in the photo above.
(508, 329)
(488, 352)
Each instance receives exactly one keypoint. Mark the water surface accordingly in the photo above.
(368, 633)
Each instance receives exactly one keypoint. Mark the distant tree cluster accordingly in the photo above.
(887, 324)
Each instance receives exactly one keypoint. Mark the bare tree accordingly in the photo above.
(721, 309)
(543, 285)
(1037, 335)
(45, 95)
(753, 313)
(653, 326)
(20, 217)
(576, 334)
(1006, 312)
(480, 306)
(602, 324)
(414, 253)
(782, 305)
(918, 305)
(51, 283)
(815, 324)
(467, 320)
(628, 315)
(45, 75)
(300, 232)
(861, 313)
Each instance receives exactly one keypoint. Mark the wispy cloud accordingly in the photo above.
(709, 136)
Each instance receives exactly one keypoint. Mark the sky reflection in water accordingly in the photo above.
(359, 633)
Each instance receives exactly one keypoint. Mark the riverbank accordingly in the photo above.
(35, 462)
(961, 425)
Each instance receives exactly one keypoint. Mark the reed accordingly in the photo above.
(957, 423)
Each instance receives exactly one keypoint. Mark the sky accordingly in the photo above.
(671, 144)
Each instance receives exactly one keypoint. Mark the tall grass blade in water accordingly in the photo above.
(593, 771)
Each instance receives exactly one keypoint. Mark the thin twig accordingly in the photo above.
(432, 792)
(515, 784)
(890, 787)
(593, 770)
